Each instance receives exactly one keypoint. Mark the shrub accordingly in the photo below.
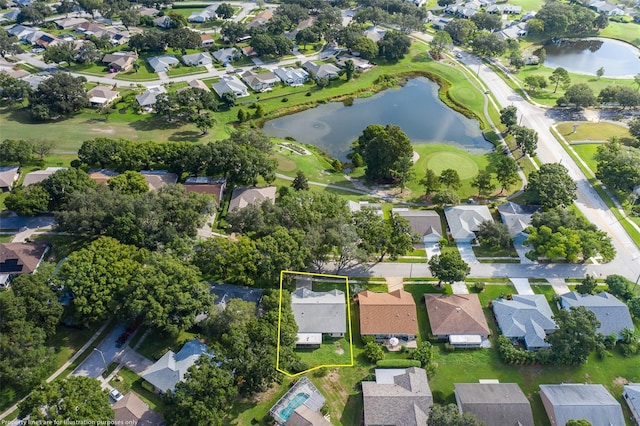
(479, 286)
(285, 100)
(373, 352)
(321, 372)
(308, 94)
(290, 138)
(438, 396)
(348, 101)
(368, 339)
(449, 347)
(398, 363)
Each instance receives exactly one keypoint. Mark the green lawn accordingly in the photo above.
(157, 344)
(587, 152)
(126, 380)
(597, 132)
(331, 352)
(186, 70)
(628, 32)
(485, 251)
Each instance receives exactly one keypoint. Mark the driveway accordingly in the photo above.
(522, 250)
(459, 287)
(559, 286)
(95, 364)
(432, 249)
(466, 252)
(522, 286)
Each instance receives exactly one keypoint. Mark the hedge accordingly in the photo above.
(398, 363)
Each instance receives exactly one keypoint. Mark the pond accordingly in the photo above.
(415, 107)
(619, 59)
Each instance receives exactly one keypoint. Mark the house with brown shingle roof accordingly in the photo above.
(207, 185)
(20, 258)
(386, 315)
(102, 176)
(156, 179)
(458, 318)
(131, 410)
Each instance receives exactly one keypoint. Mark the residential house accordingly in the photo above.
(24, 33)
(162, 63)
(322, 70)
(495, 404)
(20, 258)
(260, 19)
(12, 15)
(40, 175)
(375, 33)
(386, 315)
(317, 314)
(199, 84)
(260, 82)
(525, 318)
(418, 3)
(574, 401)
(171, 368)
(69, 23)
(527, 16)
(148, 99)
(156, 179)
(440, 22)
(398, 397)
(115, 36)
(356, 206)
(148, 11)
(46, 40)
(631, 395)
(458, 318)
(120, 61)
(508, 9)
(206, 40)
(207, 185)
(516, 217)
(226, 292)
(131, 410)
(612, 313)
(464, 221)
(102, 176)
(295, 406)
(520, 29)
(292, 76)
(163, 22)
(606, 8)
(244, 196)
(195, 59)
(100, 96)
(8, 176)
(424, 223)
(34, 80)
(360, 64)
(301, 26)
(249, 52)
(230, 83)
(208, 14)
(16, 72)
(226, 55)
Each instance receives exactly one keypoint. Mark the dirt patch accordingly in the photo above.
(108, 130)
(620, 381)
(339, 351)
(266, 395)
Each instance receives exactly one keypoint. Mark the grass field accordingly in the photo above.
(629, 32)
(332, 351)
(597, 132)
(586, 152)
(126, 380)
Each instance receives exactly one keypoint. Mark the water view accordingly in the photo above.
(414, 107)
(619, 60)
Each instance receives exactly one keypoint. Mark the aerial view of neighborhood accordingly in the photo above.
(320, 212)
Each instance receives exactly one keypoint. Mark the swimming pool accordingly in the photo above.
(295, 402)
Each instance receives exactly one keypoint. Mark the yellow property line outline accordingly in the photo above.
(346, 278)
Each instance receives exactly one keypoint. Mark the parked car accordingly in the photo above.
(115, 395)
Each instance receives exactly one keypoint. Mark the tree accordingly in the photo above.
(506, 170)
(431, 182)
(263, 44)
(575, 337)
(526, 140)
(300, 183)
(560, 76)
(129, 18)
(61, 94)
(349, 69)
(42, 147)
(27, 201)
(487, 21)
(619, 286)
(580, 95)
(12, 90)
(129, 182)
(423, 353)
(394, 45)
(16, 151)
(551, 186)
(489, 44)
(373, 352)
(167, 293)
(367, 48)
(229, 99)
(307, 35)
(587, 286)
(461, 30)
(450, 179)
(233, 31)
(627, 97)
(75, 399)
(283, 45)
(636, 80)
(634, 306)
(483, 182)
(236, 262)
(8, 44)
(445, 197)
(634, 127)
(448, 267)
(63, 183)
(600, 72)
(535, 82)
(618, 166)
(441, 41)
(98, 275)
(542, 57)
(494, 234)
(204, 397)
(449, 415)
(225, 11)
(380, 237)
(87, 53)
(203, 121)
(401, 171)
(61, 52)
(381, 148)
(580, 422)
(509, 116)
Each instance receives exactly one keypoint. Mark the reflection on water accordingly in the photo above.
(414, 107)
(587, 56)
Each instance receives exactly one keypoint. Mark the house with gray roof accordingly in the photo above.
(375, 33)
(318, 313)
(398, 397)
(225, 55)
(322, 70)
(294, 408)
(576, 401)
(207, 14)
(525, 318)
(465, 220)
(292, 76)
(40, 175)
(230, 83)
(197, 59)
(356, 206)
(631, 395)
(171, 368)
(517, 217)
(241, 197)
(424, 223)
(162, 63)
(495, 404)
(156, 179)
(8, 177)
(612, 313)
(148, 99)
(226, 292)
(260, 82)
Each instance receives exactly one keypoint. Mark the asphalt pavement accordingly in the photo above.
(102, 356)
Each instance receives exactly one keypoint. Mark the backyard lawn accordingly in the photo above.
(331, 352)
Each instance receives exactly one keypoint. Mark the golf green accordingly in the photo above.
(465, 166)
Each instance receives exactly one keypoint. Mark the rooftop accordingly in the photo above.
(612, 313)
(581, 401)
(495, 404)
(319, 312)
(527, 317)
(387, 313)
(456, 314)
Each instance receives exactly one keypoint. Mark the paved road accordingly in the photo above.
(95, 364)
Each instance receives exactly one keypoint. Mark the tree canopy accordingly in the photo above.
(449, 267)
(551, 186)
(575, 337)
(381, 147)
(60, 95)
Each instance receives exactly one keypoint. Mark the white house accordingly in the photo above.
(225, 55)
(162, 63)
(148, 99)
(322, 70)
(292, 76)
(230, 83)
(260, 82)
(102, 95)
(203, 58)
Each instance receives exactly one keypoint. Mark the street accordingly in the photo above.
(101, 356)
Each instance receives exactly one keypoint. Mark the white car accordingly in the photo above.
(459, 55)
(115, 395)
